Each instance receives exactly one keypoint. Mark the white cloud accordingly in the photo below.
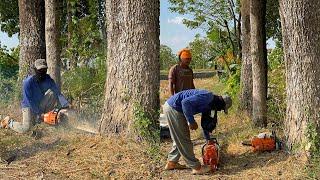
(176, 42)
(176, 20)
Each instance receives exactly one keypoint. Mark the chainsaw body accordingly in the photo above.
(51, 117)
(210, 154)
(265, 142)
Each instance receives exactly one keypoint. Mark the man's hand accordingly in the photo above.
(39, 118)
(193, 126)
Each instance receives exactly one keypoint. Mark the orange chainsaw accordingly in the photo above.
(51, 117)
(210, 154)
(264, 142)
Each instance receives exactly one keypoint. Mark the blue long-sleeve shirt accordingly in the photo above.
(191, 102)
(33, 92)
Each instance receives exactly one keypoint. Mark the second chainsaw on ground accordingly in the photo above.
(264, 142)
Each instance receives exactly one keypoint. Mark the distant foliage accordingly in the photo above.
(85, 85)
(276, 87)
(275, 59)
(273, 23)
(167, 57)
(233, 82)
(9, 62)
(203, 53)
(8, 89)
(212, 16)
(82, 32)
(9, 66)
(9, 16)
(206, 13)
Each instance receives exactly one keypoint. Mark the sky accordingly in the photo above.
(172, 32)
(10, 42)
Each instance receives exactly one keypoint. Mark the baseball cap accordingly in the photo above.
(40, 64)
(228, 101)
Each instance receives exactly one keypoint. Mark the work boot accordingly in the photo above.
(201, 170)
(4, 123)
(174, 165)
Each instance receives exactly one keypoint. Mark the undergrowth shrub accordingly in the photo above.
(313, 167)
(232, 85)
(9, 67)
(148, 130)
(84, 87)
(276, 88)
(8, 90)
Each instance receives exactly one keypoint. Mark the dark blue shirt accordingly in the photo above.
(33, 92)
(191, 102)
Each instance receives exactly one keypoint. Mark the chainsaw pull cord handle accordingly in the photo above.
(56, 110)
(275, 138)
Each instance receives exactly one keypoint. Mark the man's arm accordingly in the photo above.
(208, 124)
(62, 100)
(171, 87)
(188, 110)
(192, 103)
(193, 87)
(172, 80)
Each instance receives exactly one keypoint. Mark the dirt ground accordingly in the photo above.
(48, 152)
(70, 154)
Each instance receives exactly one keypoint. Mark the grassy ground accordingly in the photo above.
(62, 153)
(70, 154)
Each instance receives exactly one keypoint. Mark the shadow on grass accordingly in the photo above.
(29, 150)
(235, 163)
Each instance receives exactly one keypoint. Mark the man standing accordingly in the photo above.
(179, 110)
(40, 95)
(181, 75)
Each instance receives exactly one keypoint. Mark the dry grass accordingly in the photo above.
(70, 154)
(74, 155)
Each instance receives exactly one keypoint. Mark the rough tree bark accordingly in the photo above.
(133, 63)
(32, 35)
(259, 62)
(52, 40)
(246, 65)
(301, 34)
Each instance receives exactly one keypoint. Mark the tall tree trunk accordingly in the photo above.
(32, 35)
(246, 65)
(301, 34)
(259, 62)
(133, 63)
(52, 40)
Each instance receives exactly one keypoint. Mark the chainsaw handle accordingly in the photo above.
(202, 149)
(211, 139)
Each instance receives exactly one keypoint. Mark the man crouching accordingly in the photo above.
(40, 95)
